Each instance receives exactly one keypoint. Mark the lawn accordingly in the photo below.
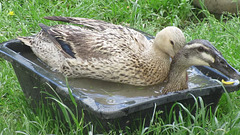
(21, 18)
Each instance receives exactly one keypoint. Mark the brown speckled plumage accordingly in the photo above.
(106, 51)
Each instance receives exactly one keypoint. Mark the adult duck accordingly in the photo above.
(101, 50)
(196, 53)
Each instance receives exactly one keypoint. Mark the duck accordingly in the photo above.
(88, 48)
(197, 52)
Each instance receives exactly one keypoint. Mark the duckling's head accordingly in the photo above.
(203, 53)
(196, 53)
(169, 40)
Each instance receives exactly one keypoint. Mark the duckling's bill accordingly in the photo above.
(223, 66)
(219, 62)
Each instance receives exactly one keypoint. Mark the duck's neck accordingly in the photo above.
(157, 65)
(154, 52)
(177, 77)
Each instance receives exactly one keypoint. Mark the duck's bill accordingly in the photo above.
(222, 65)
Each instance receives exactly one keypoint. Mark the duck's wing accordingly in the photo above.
(140, 39)
(94, 24)
(91, 23)
(60, 46)
(83, 43)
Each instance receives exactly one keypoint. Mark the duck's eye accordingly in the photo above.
(172, 42)
(200, 49)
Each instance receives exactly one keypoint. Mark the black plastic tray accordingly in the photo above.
(34, 77)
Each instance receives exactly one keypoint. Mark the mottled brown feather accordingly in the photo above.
(93, 44)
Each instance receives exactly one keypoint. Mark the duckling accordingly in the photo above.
(196, 53)
(105, 51)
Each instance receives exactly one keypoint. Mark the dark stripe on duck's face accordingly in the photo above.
(219, 62)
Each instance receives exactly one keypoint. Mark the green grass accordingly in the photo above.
(16, 115)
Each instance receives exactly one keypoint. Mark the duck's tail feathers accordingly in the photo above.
(58, 18)
(26, 40)
(89, 23)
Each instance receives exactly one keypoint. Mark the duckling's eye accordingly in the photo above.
(172, 42)
(200, 49)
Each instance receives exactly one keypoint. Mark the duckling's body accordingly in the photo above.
(196, 53)
(106, 51)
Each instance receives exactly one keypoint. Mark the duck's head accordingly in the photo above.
(203, 53)
(170, 40)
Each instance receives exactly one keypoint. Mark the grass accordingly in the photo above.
(16, 115)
